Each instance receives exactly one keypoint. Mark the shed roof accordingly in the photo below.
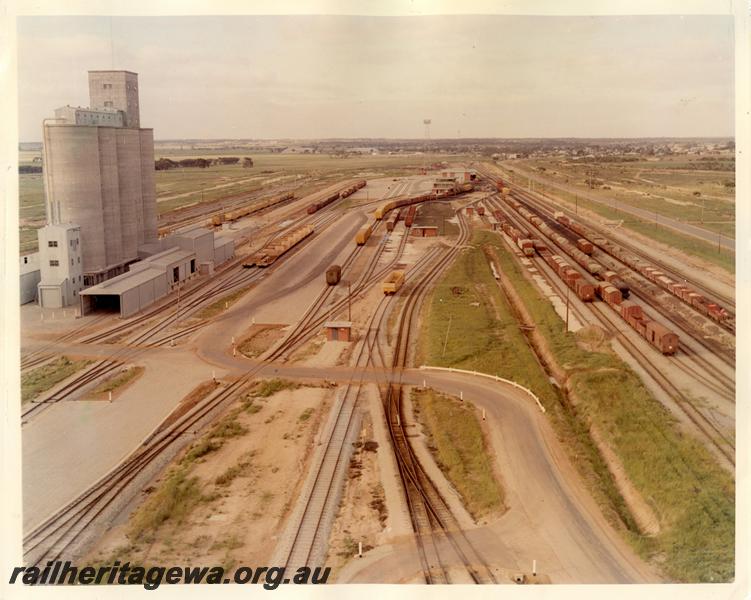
(219, 242)
(123, 283)
(338, 324)
(194, 233)
(167, 257)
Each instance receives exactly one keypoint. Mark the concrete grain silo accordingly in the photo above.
(148, 187)
(99, 174)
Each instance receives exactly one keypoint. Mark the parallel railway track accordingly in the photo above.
(722, 445)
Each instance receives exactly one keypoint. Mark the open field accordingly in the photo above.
(682, 483)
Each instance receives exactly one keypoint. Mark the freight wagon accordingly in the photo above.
(410, 218)
(239, 213)
(680, 290)
(585, 246)
(274, 249)
(393, 282)
(363, 235)
(571, 277)
(333, 274)
(316, 206)
(612, 289)
(393, 220)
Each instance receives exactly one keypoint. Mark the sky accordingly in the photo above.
(268, 77)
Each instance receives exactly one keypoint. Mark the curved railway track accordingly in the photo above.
(432, 519)
(62, 530)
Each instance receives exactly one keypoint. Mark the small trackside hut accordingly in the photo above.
(338, 331)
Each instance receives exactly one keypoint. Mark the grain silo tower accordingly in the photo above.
(99, 175)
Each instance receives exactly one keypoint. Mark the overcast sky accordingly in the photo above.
(318, 76)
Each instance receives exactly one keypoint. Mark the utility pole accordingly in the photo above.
(445, 341)
(349, 301)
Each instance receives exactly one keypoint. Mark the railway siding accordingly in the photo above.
(675, 474)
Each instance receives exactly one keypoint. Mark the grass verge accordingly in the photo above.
(219, 306)
(460, 450)
(180, 492)
(117, 382)
(39, 380)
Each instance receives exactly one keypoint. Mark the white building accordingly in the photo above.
(60, 265)
(29, 277)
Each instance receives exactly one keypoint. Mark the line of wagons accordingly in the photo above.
(611, 288)
(365, 231)
(681, 290)
(316, 206)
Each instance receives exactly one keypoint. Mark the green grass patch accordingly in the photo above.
(122, 379)
(39, 380)
(269, 387)
(180, 492)
(305, 415)
(222, 304)
(457, 442)
(467, 323)
(173, 501)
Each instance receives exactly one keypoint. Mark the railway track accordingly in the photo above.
(433, 523)
(701, 368)
(676, 275)
(150, 337)
(646, 290)
(61, 532)
(41, 356)
(431, 517)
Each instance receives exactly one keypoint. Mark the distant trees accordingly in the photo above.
(164, 164)
(247, 162)
(25, 169)
(202, 163)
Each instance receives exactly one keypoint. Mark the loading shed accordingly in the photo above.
(146, 282)
(125, 294)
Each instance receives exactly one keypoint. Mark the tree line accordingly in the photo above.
(164, 164)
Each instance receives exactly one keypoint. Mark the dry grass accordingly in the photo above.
(115, 383)
(219, 306)
(39, 380)
(458, 445)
